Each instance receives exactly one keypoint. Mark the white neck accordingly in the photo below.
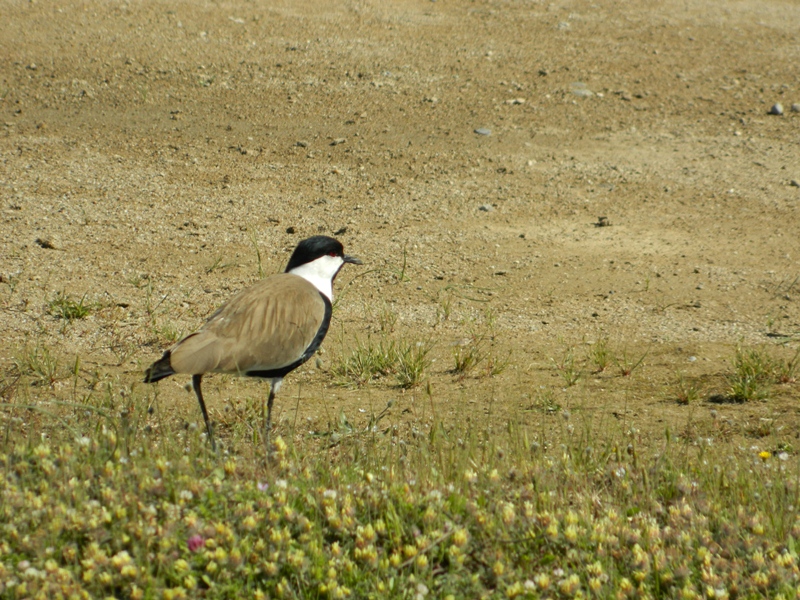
(320, 273)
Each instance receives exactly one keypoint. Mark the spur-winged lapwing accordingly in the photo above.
(267, 330)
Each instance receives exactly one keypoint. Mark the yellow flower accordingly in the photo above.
(515, 590)
(181, 566)
(758, 558)
(460, 537)
(528, 509)
(129, 571)
(365, 535)
(571, 533)
(279, 445)
(595, 569)
(295, 558)
(764, 455)
(625, 585)
(121, 559)
(508, 513)
(570, 585)
(41, 451)
(542, 580)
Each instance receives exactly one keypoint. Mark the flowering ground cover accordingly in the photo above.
(454, 514)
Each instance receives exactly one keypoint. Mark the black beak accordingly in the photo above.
(352, 260)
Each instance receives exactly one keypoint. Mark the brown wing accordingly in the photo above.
(267, 326)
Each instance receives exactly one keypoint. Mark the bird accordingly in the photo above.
(267, 330)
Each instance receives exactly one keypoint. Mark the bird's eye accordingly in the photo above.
(332, 254)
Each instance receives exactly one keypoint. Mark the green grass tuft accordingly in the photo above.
(413, 362)
(569, 370)
(368, 361)
(65, 307)
(753, 372)
(600, 354)
(38, 364)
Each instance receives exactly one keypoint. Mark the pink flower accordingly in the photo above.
(195, 543)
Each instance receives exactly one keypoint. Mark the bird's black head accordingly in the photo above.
(315, 247)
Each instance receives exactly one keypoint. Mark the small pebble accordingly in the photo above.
(795, 183)
(777, 109)
(796, 107)
(579, 89)
(338, 141)
(483, 131)
(47, 242)
(486, 207)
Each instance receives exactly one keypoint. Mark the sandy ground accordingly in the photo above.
(466, 151)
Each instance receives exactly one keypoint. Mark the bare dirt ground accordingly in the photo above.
(147, 149)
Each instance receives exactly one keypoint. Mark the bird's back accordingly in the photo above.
(266, 327)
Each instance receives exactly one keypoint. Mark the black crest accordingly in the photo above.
(312, 248)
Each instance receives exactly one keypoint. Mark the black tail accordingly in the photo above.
(159, 369)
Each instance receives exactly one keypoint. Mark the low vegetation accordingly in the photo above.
(756, 371)
(115, 511)
(64, 306)
(407, 361)
(101, 497)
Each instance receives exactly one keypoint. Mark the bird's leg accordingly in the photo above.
(268, 424)
(196, 379)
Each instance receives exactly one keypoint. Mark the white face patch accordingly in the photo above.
(320, 273)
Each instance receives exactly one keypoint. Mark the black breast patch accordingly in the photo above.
(309, 351)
